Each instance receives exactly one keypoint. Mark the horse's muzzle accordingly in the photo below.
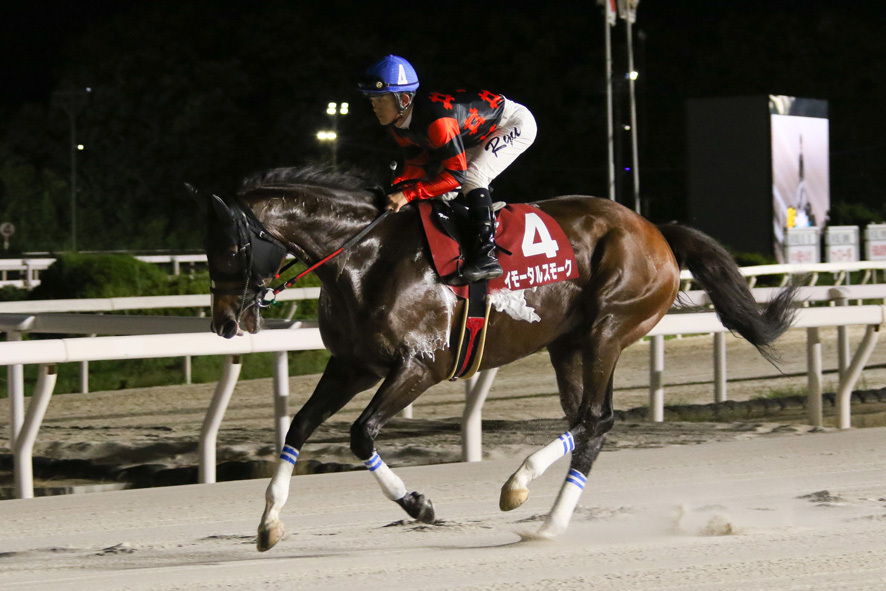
(227, 329)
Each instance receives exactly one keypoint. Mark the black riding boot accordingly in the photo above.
(481, 263)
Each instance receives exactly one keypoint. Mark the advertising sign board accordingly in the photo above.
(875, 242)
(841, 244)
(802, 246)
(800, 167)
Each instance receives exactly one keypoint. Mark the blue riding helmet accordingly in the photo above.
(389, 74)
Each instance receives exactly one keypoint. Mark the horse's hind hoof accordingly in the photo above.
(419, 507)
(512, 498)
(269, 535)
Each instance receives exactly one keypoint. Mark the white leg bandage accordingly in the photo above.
(536, 464)
(390, 483)
(278, 490)
(516, 490)
(561, 513)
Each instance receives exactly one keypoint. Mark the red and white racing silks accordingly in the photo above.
(435, 137)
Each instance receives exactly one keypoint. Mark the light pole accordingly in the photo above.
(334, 110)
(73, 102)
(627, 9)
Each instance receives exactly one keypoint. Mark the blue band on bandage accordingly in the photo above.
(577, 478)
(568, 442)
(290, 454)
(374, 463)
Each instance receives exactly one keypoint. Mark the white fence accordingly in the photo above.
(26, 272)
(869, 269)
(46, 353)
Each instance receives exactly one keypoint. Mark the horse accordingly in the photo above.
(386, 316)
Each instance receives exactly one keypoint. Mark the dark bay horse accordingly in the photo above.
(385, 315)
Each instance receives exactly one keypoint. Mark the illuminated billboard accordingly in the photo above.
(801, 194)
(758, 165)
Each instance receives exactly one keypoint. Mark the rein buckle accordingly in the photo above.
(266, 298)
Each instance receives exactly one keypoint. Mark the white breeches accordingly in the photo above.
(514, 134)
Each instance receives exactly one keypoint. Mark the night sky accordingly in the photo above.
(545, 54)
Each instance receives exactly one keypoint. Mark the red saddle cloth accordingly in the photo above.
(533, 249)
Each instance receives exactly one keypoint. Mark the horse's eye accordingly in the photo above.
(227, 261)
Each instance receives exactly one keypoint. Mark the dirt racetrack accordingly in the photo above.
(773, 513)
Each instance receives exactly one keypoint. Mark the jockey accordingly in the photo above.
(461, 140)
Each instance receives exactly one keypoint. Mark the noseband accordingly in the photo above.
(261, 252)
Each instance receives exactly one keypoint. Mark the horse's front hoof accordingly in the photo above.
(512, 498)
(419, 507)
(269, 535)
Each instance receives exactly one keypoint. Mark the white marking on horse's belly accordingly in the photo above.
(513, 303)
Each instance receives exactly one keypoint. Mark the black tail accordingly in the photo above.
(718, 274)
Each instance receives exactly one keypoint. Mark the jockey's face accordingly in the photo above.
(385, 108)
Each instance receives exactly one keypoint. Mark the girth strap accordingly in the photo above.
(472, 336)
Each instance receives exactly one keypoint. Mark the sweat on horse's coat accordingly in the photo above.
(513, 303)
(384, 315)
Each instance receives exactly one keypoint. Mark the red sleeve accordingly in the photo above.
(440, 184)
(413, 169)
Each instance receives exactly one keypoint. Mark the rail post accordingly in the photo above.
(213, 419)
(656, 379)
(843, 352)
(719, 367)
(813, 376)
(23, 451)
(844, 395)
(476, 390)
(15, 388)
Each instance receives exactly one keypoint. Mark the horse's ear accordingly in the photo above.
(198, 197)
(192, 191)
(222, 210)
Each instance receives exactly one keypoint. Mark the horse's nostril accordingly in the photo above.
(228, 329)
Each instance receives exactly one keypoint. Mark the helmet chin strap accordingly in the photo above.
(401, 109)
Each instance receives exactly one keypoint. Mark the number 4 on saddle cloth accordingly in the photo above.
(532, 250)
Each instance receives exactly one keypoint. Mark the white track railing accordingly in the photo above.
(674, 324)
(872, 317)
(812, 270)
(47, 353)
(48, 316)
(136, 303)
(28, 269)
(15, 320)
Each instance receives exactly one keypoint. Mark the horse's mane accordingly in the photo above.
(311, 175)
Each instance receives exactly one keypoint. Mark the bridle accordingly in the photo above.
(262, 251)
